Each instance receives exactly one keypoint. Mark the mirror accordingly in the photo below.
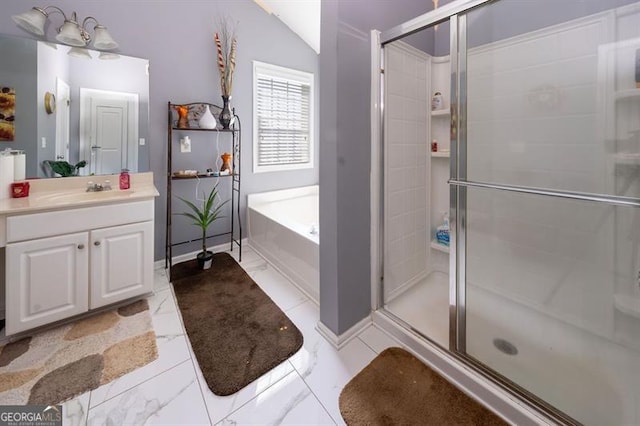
(74, 104)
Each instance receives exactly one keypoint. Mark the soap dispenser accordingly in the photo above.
(124, 179)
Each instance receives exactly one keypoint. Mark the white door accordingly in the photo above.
(47, 280)
(63, 105)
(109, 135)
(108, 131)
(121, 263)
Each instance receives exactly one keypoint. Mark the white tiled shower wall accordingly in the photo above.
(406, 233)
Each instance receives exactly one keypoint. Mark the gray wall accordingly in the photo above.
(177, 38)
(19, 59)
(345, 154)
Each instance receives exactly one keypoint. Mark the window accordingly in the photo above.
(282, 118)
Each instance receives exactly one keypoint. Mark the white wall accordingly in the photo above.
(406, 168)
(53, 63)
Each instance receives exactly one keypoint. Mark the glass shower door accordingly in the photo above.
(547, 200)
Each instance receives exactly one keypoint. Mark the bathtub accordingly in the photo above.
(283, 228)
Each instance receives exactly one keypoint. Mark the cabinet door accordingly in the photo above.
(121, 263)
(47, 280)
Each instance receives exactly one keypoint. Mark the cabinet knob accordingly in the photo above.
(97, 243)
(80, 246)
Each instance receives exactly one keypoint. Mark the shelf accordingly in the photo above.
(441, 113)
(200, 176)
(630, 158)
(627, 304)
(441, 154)
(197, 129)
(627, 94)
(440, 247)
(231, 229)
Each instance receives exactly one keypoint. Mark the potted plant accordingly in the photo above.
(64, 168)
(203, 218)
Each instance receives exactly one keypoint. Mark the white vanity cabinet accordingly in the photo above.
(49, 280)
(66, 262)
(121, 263)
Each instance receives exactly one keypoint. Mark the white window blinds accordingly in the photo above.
(283, 129)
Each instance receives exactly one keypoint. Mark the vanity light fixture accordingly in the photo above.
(108, 56)
(77, 52)
(70, 33)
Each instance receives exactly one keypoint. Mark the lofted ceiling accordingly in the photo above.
(302, 16)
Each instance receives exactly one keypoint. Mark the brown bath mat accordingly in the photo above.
(398, 389)
(236, 331)
(55, 365)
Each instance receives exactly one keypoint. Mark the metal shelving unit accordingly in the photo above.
(235, 133)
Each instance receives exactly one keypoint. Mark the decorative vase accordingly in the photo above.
(183, 114)
(207, 120)
(226, 163)
(225, 115)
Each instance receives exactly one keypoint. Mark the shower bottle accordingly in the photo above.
(442, 231)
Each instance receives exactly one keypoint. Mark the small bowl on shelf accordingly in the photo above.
(185, 173)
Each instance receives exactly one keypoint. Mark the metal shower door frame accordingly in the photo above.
(453, 13)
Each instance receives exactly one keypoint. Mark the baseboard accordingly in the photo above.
(406, 286)
(339, 341)
(469, 381)
(159, 264)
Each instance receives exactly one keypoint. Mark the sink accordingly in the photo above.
(80, 196)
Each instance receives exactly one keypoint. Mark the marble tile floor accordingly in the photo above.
(172, 391)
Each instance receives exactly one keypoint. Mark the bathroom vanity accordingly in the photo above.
(68, 251)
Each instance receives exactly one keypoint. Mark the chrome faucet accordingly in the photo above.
(97, 187)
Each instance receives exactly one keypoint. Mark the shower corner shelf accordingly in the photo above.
(627, 94)
(440, 247)
(627, 304)
(632, 159)
(441, 154)
(441, 113)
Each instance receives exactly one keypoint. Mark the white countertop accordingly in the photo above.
(63, 193)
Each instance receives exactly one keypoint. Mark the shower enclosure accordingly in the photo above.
(537, 165)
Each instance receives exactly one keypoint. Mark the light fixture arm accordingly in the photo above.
(56, 8)
(89, 18)
(84, 30)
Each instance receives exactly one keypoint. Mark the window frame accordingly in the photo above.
(303, 77)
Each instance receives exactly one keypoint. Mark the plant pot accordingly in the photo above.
(205, 259)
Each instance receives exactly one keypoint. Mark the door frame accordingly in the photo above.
(86, 94)
(63, 105)
(378, 41)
